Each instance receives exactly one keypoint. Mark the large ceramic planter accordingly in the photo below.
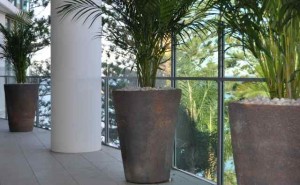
(266, 143)
(21, 105)
(146, 126)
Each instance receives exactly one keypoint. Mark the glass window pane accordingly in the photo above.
(198, 57)
(43, 116)
(196, 135)
(18, 4)
(161, 83)
(116, 62)
(103, 103)
(239, 62)
(25, 5)
(44, 122)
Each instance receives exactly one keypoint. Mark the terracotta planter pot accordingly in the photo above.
(21, 104)
(146, 126)
(266, 143)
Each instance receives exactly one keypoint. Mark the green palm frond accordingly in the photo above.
(20, 41)
(270, 29)
(251, 90)
(83, 8)
(21, 17)
(143, 27)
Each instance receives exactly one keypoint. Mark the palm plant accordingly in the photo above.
(21, 40)
(143, 27)
(270, 30)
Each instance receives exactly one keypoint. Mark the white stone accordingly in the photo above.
(268, 101)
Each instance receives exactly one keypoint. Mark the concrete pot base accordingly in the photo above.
(266, 143)
(146, 126)
(21, 104)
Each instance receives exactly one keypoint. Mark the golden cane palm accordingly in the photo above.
(270, 29)
(147, 26)
(20, 41)
(16, 46)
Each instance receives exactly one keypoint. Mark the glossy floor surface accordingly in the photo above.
(26, 159)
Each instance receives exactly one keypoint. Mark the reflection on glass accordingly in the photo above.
(43, 115)
(116, 62)
(43, 122)
(239, 62)
(198, 57)
(163, 83)
(25, 5)
(18, 4)
(103, 103)
(235, 91)
(166, 65)
(196, 135)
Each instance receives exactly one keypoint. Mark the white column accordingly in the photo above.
(76, 84)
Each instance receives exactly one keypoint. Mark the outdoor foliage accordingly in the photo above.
(256, 33)
(144, 28)
(38, 3)
(41, 70)
(21, 40)
(270, 29)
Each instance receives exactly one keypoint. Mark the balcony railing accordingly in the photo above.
(197, 136)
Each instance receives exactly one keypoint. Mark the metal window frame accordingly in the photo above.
(220, 79)
(221, 75)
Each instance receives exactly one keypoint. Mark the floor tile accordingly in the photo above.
(26, 159)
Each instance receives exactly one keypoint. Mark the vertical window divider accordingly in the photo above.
(173, 83)
(221, 57)
(173, 60)
(106, 105)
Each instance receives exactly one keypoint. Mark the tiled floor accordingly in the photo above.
(25, 159)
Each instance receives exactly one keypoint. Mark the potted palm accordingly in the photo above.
(146, 116)
(265, 132)
(20, 41)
